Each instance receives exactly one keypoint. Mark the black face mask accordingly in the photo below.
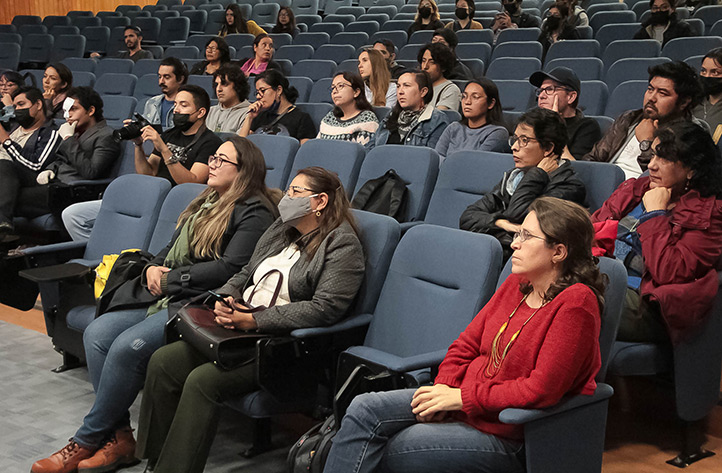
(23, 117)
(553, 22)
(510, 8)
(461, 13)
(659, 18)
(182, 121)
(424, 12)
(711, 85)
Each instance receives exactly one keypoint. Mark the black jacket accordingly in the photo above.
(498, 204)
(39, 151)
(248, 222)
(88, 156)
(675, 29)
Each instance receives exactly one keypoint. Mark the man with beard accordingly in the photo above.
(710, 76)
(172, 74)
(132, 36)
(663, 24)
(672, 93)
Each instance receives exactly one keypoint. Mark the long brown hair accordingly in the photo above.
(380, 77)
(568, 223)
(338, 209)
(250, 181)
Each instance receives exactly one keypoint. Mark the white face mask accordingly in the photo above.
(292, 209)
(67, 105)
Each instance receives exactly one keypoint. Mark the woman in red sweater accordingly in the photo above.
(533, 343)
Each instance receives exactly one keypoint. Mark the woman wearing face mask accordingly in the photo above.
(710, 76)
(57, 80)
(217, 54)
(556, 27)
(24, 153)
(663, 24)
(315, 246)
(374, 70)
(274, 112)
(215, 237)
(10, 81)
(464, 13)
(427, 17)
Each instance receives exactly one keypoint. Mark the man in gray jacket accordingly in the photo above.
(172, 74)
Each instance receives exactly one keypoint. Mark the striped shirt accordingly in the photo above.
(359, 129)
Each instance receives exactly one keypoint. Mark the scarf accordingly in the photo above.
(406, 121)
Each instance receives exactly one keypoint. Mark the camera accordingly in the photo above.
(131, 130)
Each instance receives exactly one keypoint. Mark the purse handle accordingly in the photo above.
(248, 307)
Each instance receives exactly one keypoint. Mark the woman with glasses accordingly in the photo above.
(274, 112)
(482, 126)
(262, 57)
(315, 246)
(286, 22)
(666, 228)
(352, 117)
(215, 238)
(217, 54)
(536, 145)
(557, 27)
(534, 342)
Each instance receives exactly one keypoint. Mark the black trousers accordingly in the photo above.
(20, 194)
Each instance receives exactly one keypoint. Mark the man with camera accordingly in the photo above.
(172, 74)
(180, 154)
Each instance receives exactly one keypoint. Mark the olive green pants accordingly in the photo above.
(182, 404)
(641, 321)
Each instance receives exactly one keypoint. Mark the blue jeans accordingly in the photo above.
(380, 433)
(118, 346)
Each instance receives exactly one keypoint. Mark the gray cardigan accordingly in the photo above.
(321, 288)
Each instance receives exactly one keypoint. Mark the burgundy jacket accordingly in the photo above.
(680, 250)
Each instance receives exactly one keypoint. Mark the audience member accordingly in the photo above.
(672, 93)
(482, 126)
(217, 54)
(710, 76)
(25, 153)
(352, 117)
(512, 16)
(10, 81)
(286, 22)
(537, 145)
(235, 23)
(57, 80)
(448, 38)
(464, 14)
(427, 17)
(577, 15)
(373, 68)
(668, 232)
(315, 245)
(437, 60)
(232, 91)
(172, 75)
(215, 238)
(547, 311)
(388, 51)
(274, 112)
(557, 26)
(181, 153)
(559, 90)
(262, 57)
(413, 121)
(663, 24)
(132, 37)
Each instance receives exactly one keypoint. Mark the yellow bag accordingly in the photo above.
(102, 271)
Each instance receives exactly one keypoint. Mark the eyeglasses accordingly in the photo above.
(339, 87)
(525, 235)
(655, 8)
(262, 91)
(523, 140)
(550, 89)
(466, 96)
(211, 48)
(216, 161)
(293, 190)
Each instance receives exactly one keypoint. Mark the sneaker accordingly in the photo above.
(118, 452)
(65, 460)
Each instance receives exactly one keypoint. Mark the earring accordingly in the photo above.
(686, 186)
(318, 213)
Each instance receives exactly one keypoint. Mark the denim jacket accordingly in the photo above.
(426, 132)
(152, 110)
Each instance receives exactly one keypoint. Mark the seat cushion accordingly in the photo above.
(639, 359)
(80, 317)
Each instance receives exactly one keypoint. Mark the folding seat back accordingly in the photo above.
(321, 91)
(335, 52)
(356, 11)
(600, 180)
(709, 14)
(574, 48)
(67, 46)
(9, 56)
(295, 52)
(174, 29)
(215, 21)
(315, 110)
(96, 39)
(181, 52)
(281, 39)
(206, 82)
(630, 69)
(265, 13)
(75, 14)
(54, 20)
(330, 28)
(125, 9)
(596, 8)
(83, 22)
(237, 40)
(200, 40)
(356, 39)
(586, 68)
(116, 42)
(515, 95)
(36, 48)
(368, 27)
(83, 79)
(174, 204)
(630, 48)
(12, 38)
(278, 152)
(593, 97)
(399, 38)
(117, 108)
(513, 68)
(306, 7)
(396, 25)
(149, 26)
(679, 49)
(314, 69)
(198, 19)
(607, 17)
(475, 36)
(20, 20)
(518, 49)
(116, 84)
(308, 20)
(312, 39)
(517, 35)
(480, 51)
(25, 30)
(147, 66)
(626, 96)
(341, 157)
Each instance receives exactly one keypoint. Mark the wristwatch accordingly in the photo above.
(645, 145)
(7, 143)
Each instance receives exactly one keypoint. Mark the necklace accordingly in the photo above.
(497, 356)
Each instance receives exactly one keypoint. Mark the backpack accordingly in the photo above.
(386, 195)
(309, 453)
(116, 272)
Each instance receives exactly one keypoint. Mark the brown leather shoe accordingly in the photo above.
(64, 460)
(118, 452)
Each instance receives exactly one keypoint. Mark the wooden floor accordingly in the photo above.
(639, 443)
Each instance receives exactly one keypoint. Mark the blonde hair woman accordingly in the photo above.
(380, 91)
(427, 17)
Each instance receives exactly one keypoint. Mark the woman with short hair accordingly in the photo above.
(262, 57)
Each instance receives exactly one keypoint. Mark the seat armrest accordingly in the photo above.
(522, 416)
(405, 226)
(396, 363)
(355, 321)
(73, 248)
(58, 272)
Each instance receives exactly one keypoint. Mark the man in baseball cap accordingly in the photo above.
(559, 90)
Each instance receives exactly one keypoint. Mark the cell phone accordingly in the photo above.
(217, 297)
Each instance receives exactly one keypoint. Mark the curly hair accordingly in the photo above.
(441, 54)
(549, 128)
(233, 74)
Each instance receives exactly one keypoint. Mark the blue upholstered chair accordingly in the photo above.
(342, 157)
(278, 152)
